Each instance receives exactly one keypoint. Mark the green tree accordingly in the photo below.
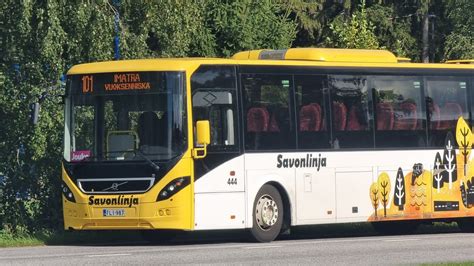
(310, 19)
(249, 24)
(31, 63)
(40, 40)
(393, 30)
(356, 32)
(460, 39)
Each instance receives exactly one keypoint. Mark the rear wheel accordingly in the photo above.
(466, 224)
(267, 214)
(159, 236)
(395, 227)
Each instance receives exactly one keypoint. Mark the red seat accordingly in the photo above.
(449, 115)
(353, 123)
(384, 116)
(339, 112)
(406, 118)
(310, 117)
(257, 119)
(273, 127)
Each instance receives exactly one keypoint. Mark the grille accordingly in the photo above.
(115, 185)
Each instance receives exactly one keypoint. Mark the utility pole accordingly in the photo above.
(425, 56)
(116, 8)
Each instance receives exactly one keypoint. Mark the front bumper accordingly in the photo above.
(169, 214)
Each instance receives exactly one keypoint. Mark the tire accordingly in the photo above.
(466, 225)
(159, 236)
(267, 214)
(395, 227)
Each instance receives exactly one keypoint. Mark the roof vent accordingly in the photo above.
(321, 55)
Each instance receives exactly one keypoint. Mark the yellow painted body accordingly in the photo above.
(422, 192)
(173, 213)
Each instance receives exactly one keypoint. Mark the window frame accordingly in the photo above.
(212, 148)
(416, 72)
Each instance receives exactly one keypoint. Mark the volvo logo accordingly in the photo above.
(115, 186)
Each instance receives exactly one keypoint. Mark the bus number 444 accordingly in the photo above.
(232, 181)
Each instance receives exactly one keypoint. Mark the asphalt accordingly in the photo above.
(352, 250)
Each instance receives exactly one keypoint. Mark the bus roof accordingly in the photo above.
(322, 57)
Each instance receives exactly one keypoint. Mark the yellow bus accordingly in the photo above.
(267, 140)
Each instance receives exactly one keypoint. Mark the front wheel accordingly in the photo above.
(267, 214)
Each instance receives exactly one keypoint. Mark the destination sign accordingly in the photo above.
(118, 83)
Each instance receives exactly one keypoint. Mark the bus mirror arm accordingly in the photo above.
(200, 152)
(203, 138)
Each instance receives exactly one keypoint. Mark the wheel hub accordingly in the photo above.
(266, 212)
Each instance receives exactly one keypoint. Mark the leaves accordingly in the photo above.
(356, 33)
(41, 40)
(460, 37)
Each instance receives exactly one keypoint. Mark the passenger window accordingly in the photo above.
(267, 112)
(399, 112)
(214, 99)
(351, 125)
(446, 101)
(311, 112)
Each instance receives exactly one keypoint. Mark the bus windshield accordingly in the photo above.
(125, 116)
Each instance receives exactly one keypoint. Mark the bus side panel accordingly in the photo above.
(315, 196)
(219, 197)
(219, 210)
(351, 187)
(227, 177)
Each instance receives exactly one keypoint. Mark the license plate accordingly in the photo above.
(113, 212)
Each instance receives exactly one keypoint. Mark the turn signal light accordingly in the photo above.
(173, 187)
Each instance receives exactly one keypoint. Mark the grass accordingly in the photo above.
(466, 263)
(8, 240)
(68, 238)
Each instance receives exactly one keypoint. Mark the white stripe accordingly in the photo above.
(108, 255)
(257, 247)
(401, 240)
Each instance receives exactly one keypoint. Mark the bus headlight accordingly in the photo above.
(67, 192)
(173, 187)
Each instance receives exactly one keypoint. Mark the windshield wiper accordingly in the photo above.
(149, 161)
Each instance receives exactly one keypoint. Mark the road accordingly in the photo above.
(359, 250)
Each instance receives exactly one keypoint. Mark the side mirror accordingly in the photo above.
(203, 138)
(203, 132)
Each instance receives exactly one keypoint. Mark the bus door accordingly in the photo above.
(219, 177)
